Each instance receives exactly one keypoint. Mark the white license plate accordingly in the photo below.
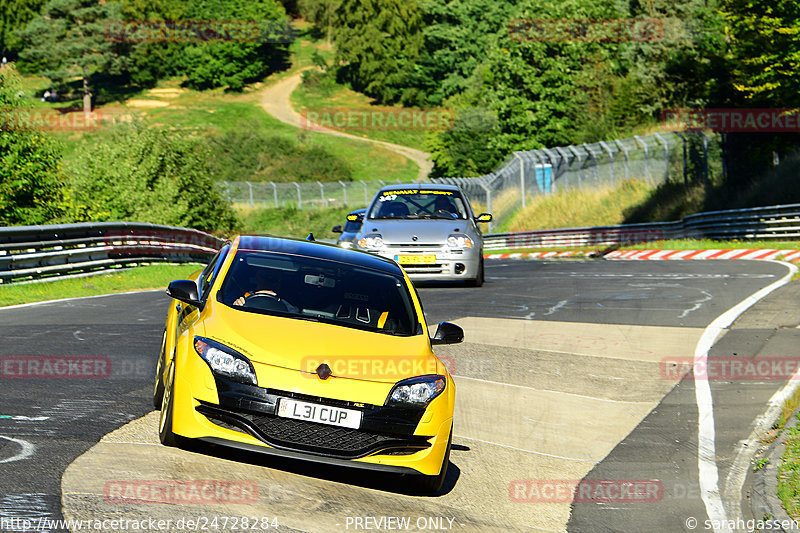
(323, 414)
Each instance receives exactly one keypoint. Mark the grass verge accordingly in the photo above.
(139, 278)
(603, 206)
(216, 114)
(789, 473)
(293, 222)
(334, 106)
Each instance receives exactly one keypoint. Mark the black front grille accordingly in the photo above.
(311, 437)
(299, 433)
(434, 245)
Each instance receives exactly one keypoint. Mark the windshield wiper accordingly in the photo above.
(431, 216)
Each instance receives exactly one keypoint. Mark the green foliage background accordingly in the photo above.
(149, 175)
(32, 184)
(509, 91)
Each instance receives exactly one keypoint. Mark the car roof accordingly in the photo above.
(435, 186)
(330, 252)
(357, 211)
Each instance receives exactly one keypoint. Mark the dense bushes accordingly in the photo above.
(32, 184)
(491, 58)
(132, 173)
(248, 153)
(120, 44)
(148, 175)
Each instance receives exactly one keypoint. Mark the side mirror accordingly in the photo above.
(448, 333)
(337, 229)
(184, 290)
(484, 217)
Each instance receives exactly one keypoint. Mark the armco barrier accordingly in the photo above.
(781, 222)
(30, 253)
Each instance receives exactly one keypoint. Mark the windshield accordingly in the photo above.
(419, 203)
(352, 227)
(319, 290)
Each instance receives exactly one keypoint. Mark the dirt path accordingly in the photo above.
(276, 101)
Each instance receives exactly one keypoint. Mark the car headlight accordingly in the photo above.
(346, 244)
(225, 361)
(371, 241)
(417, 391)
(459, 241)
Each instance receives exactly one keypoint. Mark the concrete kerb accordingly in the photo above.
(762, 484)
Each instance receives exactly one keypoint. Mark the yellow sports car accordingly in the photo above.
(309, 351)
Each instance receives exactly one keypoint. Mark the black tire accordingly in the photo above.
(478, 281)
(165, 434)
(431, 485)
(158, 391)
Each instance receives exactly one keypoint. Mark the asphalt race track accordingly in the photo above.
(563, 377)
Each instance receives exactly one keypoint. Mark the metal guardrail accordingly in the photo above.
(781, 222)
(31, 253)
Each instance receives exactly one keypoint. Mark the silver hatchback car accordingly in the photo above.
(430, 230)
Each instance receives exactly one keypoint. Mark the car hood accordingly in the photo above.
(303, 345)
(427, 231)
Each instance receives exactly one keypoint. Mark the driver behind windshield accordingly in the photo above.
(444, 206)
(264, 286)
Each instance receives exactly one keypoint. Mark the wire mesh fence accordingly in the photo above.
(654, 158)
(303, 195)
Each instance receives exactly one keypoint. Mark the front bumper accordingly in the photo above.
(245, 417)
(253, 410)
(449, 264)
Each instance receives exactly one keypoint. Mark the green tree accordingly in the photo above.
(377, 43)
(457, 35)
(146, 174)
(68, 40)
(321, 13)
(15, 14)
(32, 187)
(246, 57)
(235, 63)
(765, 49)
(537, 88)
(465, 149)
(558, 89)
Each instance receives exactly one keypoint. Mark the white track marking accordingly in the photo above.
(24, 418)
(60, 300)
(706, 444)
(747, 448)
(556, 307)
(27, 449)
(528, 451)
(697, 304)
(549, 391)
